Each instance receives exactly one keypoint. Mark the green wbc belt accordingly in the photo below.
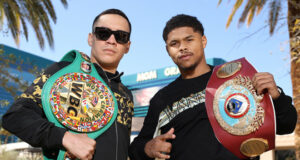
(78, 99)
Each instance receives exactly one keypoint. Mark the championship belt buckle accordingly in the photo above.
(242, 120)
(81, 103)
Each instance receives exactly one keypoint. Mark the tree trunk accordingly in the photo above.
(294, 33)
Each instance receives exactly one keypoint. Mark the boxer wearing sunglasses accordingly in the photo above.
(106, 53)
(103, 33)
(109, 41)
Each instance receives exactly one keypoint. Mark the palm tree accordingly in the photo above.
(253, 7)
(18, 13)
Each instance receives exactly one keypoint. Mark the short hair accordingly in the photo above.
(112, 11)
(182, 20)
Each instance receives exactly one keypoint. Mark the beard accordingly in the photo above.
(188, 68)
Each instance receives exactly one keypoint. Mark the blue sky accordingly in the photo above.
(148, 18)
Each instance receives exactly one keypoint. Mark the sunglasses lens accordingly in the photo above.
(102, 33)
(121, 37)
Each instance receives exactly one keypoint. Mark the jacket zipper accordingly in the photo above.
(116, 127)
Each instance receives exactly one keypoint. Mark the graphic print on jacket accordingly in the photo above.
(125, 110)
(34, 92)
(177, 107)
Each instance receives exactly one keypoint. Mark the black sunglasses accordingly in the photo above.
(103, 33)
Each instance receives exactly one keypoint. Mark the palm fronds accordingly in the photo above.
(236, 6)
(254, 7)
(38, 13)
(275, 8)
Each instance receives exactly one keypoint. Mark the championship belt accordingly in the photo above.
(78, 99)
(242, 120)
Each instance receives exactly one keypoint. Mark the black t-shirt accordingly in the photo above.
(194, 135)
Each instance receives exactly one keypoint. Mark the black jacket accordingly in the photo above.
(195, 138)
(26, 119)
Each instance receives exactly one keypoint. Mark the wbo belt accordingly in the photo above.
(242, 120)
(78, 99)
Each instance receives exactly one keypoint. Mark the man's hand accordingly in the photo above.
(157, 147)
(79, 145)
(264, 82)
